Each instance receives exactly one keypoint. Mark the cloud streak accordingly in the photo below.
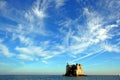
(95, 34)
(36, 41)
(5, 51)
(59, 3)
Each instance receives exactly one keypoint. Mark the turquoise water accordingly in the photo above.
(56, 77)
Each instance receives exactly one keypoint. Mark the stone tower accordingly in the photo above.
(74, 70)
(79, 70)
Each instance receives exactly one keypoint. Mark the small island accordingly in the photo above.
(74, 70)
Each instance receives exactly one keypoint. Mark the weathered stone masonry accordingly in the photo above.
(74, 70)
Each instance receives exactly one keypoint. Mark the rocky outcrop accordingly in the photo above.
(74, 70)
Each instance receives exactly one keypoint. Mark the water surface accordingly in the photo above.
(58, 77)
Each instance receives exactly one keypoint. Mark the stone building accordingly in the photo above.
(74, 70)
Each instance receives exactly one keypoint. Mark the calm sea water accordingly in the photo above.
(54, 77)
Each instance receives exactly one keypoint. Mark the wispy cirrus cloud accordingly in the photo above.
(76, 39)
(5, 51)
(88, 55)
(111, 48)
(95, 33)
(59, 3)
(39, 8)
(34, 16)
(42, 52)
(2, 4)
(25, 57)
(26, 33)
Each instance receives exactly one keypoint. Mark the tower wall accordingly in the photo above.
(79, 70)
(74, 70)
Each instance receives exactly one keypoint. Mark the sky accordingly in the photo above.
(41, 36)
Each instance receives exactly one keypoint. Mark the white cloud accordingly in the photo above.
(111, 48)
(39, 8)
(33, 50)
(59, 3)
(77, 42)
(118, 21)
(66, 40)
(45, 51)
(22, 34)
(113, 8)
(35, 17)
(112, 4)
(5, 51)
(97, 31)
(79, 48)
(2, 4)
(45, 62)
(76, 37)
(1, 40)
(24, 50)
(25, 40)
(39, 13)
(47, 57)
(80, 39)
(88, 55)
(25, 57)
(66, 23)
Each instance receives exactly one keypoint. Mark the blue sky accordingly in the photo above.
(41, 36)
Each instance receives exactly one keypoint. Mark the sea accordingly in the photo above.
(58, 77)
